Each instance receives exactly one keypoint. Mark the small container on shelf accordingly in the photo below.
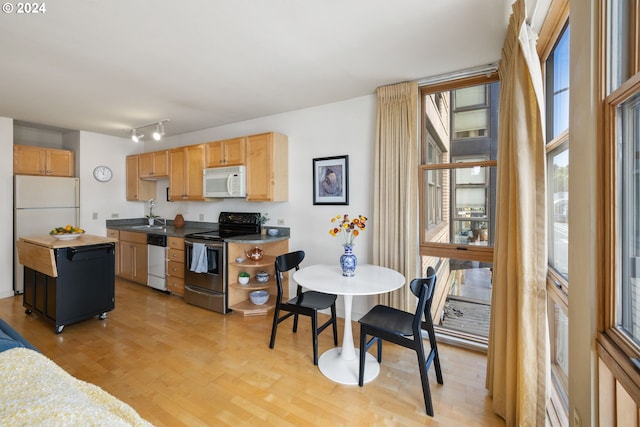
(243, 278)
(262, 277)
(259, 297)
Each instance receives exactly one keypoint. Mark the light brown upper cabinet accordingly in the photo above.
(138, 189)
(230, 152)
(154, 165)
(29, 160)
(267, 167)
(185, 172)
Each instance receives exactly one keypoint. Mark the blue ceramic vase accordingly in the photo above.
(348, 261)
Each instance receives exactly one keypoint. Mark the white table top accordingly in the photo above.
(368, 280)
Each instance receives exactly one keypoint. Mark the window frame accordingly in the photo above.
(557, 286)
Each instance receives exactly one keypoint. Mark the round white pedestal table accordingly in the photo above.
(341, 364)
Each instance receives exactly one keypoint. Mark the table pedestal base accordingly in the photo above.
(343, 371)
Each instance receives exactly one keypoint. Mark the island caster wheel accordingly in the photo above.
(27, 311)
(59, 328)
(102, 316)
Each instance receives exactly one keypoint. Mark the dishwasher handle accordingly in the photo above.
(82, 253)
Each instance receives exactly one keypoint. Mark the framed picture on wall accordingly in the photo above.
(331, 180)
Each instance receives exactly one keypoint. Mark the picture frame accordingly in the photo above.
(331, 180)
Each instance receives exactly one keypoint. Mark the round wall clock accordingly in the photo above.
(102, 173)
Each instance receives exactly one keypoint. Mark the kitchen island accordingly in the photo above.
(66, 281)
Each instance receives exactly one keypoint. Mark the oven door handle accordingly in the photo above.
(208, 245)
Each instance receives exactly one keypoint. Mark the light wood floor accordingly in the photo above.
(180, 365)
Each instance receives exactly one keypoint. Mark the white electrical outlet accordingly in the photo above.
(201, 217)
(115, 215)
(94, 215)
(280, 221)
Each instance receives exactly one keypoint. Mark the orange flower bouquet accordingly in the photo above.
(348, 228)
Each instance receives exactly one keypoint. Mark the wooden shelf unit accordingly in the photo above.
(239, 300)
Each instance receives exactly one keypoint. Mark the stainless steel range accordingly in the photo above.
(206, 282)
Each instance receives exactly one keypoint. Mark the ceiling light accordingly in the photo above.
(135, 136)
(159, 133)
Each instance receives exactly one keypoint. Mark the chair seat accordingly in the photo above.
(389, 319)
(314, 300)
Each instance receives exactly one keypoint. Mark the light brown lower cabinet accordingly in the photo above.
(175, 268)
(133, 256)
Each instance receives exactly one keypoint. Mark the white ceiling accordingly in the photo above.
(107, 66)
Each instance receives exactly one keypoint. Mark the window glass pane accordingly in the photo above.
(471, 124)
(558, 182)
(470, 96)
(619, 14)
(628, 293)
(560, 347)
(559, 62)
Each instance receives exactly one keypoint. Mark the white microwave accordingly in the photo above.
(227, 181)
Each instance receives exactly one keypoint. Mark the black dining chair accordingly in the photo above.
(304, 303)
(405, 329)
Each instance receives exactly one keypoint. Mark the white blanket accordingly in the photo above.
(35, 391)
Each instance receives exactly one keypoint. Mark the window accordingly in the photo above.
(459, 149)
(555, 63)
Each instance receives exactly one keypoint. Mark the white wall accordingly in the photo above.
(6, 213)
(104, 198)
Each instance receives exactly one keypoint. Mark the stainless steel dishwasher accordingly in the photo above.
(157, 261)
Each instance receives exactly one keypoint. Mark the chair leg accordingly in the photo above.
(335, 324)
(363, 353)
(274, 328)
(379, 350)
(314, 330)
(295, 322)
(422, 363)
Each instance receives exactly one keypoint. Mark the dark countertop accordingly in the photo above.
(192, 227)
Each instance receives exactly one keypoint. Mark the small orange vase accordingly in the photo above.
(178, 221)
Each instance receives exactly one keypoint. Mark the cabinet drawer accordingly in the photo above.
(115, 234)
(176, 243)
(176, 269)
(176, 255)
(133, 237)
(175, 285)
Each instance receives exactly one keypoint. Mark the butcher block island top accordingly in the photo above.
(53, 243)
(36, 252)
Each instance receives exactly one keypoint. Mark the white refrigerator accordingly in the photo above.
(41, 203)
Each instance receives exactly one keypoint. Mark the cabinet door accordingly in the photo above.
(59, 163)
(177, 162)
(28, 160)
(126, 251)
(145, 165)
(259, 168)
(234, 151)
(193, 171)
(161, 163)
(214, 154)
(140, 259)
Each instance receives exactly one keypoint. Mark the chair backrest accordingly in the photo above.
(285, 263)
(423, 289)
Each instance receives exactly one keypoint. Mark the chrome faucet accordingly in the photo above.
(164, 220)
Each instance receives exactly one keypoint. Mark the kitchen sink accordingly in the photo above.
(147, 227)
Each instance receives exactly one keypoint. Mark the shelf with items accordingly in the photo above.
(239, 300)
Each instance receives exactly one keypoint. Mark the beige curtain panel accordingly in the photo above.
(518, 362)
(395, 209)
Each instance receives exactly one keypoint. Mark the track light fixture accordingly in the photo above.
(157, 134)
(135, 135)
